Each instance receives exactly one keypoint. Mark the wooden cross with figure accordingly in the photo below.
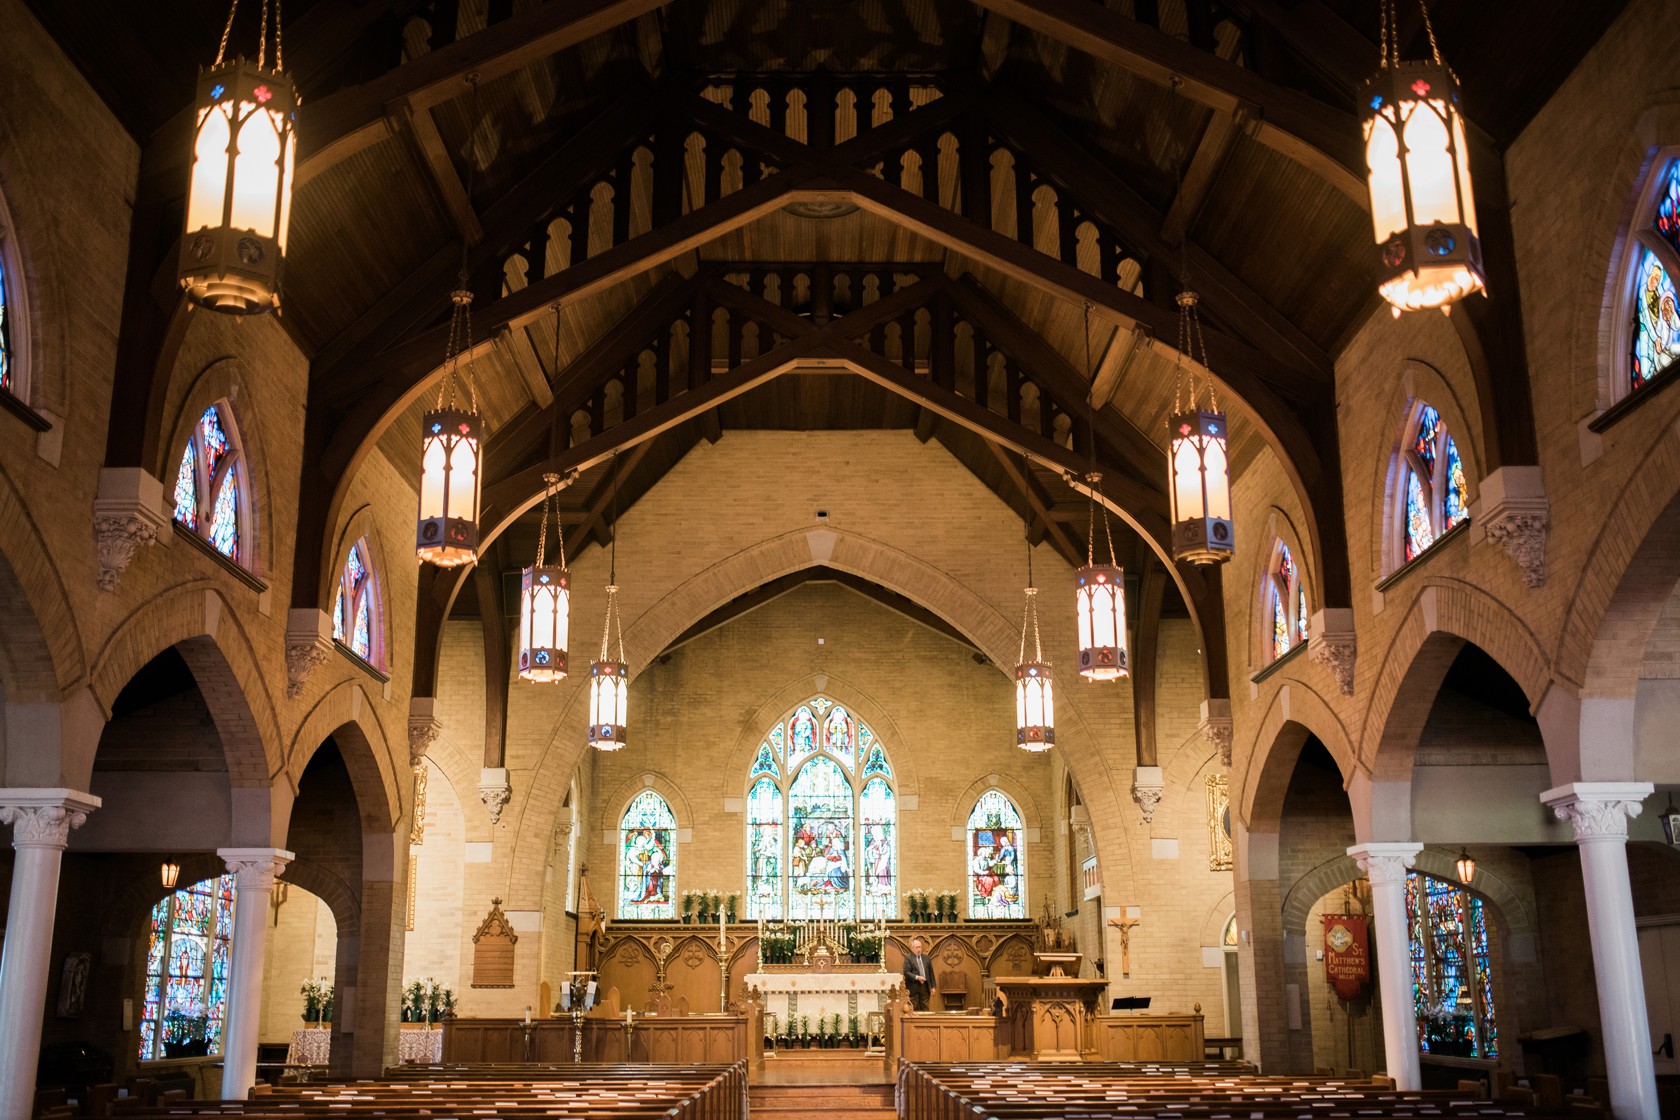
(1124, 925)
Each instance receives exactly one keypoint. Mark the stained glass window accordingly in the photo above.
(1287, 606)
(996, 870)
(821, 843)
(1656, 323)
(647, 858)
(6, 381)
(1452, 969)
(187, 967)
(1435, 494)
(357, 608)
(207, 484)
(764, 850)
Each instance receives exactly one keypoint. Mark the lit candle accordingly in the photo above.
(720, 931)
(527, 1014)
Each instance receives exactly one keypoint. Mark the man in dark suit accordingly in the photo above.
(918, 975)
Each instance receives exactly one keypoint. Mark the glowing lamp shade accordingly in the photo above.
(1100, 598)
(1201, 488)
(1035, 707)
(169, 874)
(609, 689)
(1466, 867)
(240, 193)
(1423, 213)
(545, 605)
(449, 488)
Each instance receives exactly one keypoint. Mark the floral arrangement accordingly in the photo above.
(425, 1000)
(317, 1000)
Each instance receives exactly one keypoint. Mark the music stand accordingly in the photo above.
(1130, 1003)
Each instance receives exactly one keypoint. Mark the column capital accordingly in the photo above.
(43, 818)
(255, 869)
(1385, 863)
(1598, 810)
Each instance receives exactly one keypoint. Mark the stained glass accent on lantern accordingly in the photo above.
(1452, 970)
(647, 858)
(1656, 321)
(6, 377)
(545, 603)
(187, 965)
(820, 842)
(1423, 211)
(240, 187)
(764, 849)
(449, 487)
(877, 823)
(186, 488)
(1101, 604)
(996, 863)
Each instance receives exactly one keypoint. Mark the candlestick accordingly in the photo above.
(527, 1014)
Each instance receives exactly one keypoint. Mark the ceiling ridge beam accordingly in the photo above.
(343, 123)
(1319, 136)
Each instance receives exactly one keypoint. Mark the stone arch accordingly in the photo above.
(752, 567)
(1296, 712)
(1215, 919)
(1031, 816)
(856, 700)
(40, 644)
(351, 719)
(625, 792)
(197, 620)
(28, 220)
(341, 898)
(1440, 620)
(138, 895)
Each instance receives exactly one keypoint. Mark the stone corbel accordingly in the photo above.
(1216, 728)
(494, 791)
(1079, 823)
(309, 642)
(1147, 787)
(1511, 510)
(128, 512)
(1331, 643)
(423, 728)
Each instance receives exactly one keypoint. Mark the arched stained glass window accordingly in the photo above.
(357, 608)
(8, 379)
(1433, 492)
(764, 850)
(821, 842)
(647, 858)
(997, 880)
(1286, 600)
(1656, 255)
(209, 489)
(1452, 969)
(187, 968)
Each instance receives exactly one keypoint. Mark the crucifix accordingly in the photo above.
(1124, 925)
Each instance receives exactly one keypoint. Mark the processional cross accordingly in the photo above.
(1124, 925)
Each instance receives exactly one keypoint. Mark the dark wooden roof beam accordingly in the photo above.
(1039, 502)
(444, 176)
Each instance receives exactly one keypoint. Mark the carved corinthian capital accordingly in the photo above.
(1512, 511)
(308, 644)
(255, 869)
(1331, 643)
(1598, 810)
(127, 513)
(1385, 863)
(43, 818)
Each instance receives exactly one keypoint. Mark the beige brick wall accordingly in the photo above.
(302, 945)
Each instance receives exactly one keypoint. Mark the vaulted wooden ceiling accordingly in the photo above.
(700, 185)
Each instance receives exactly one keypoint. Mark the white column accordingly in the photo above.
(254, 871)
(1600, 812)
(1386, 866)
(41, 821)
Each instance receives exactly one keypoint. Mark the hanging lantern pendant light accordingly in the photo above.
(239, 194)
(609, 676)
(1423, 211)
(1198, 462)
(1100, 598)
(1035, 705)
(545, 602)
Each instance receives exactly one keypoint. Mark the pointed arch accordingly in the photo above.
(647, 858)
(996, 854)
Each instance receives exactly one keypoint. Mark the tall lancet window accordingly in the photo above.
(997, 866)
(1452, 969)
(1655, 253)
(358, 610)
(210, 484)
(187, 959)
(1286, 603)
(1433, 495)
(822, 819)
(647, 858)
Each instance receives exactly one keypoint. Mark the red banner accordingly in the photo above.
(1347, 961)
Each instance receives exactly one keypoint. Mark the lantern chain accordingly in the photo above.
(262, 38)
(1029, 616)
(551, 490)
(612, 622)
(1094, 475)
(221, 51)
(460, 318)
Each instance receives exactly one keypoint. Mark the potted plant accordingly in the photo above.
(805, 1031)
(414, 1002)
(687, 908)
(852, 1029)
(317, 1001)
(732, 906)
(703, 907)
(185, 1036)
